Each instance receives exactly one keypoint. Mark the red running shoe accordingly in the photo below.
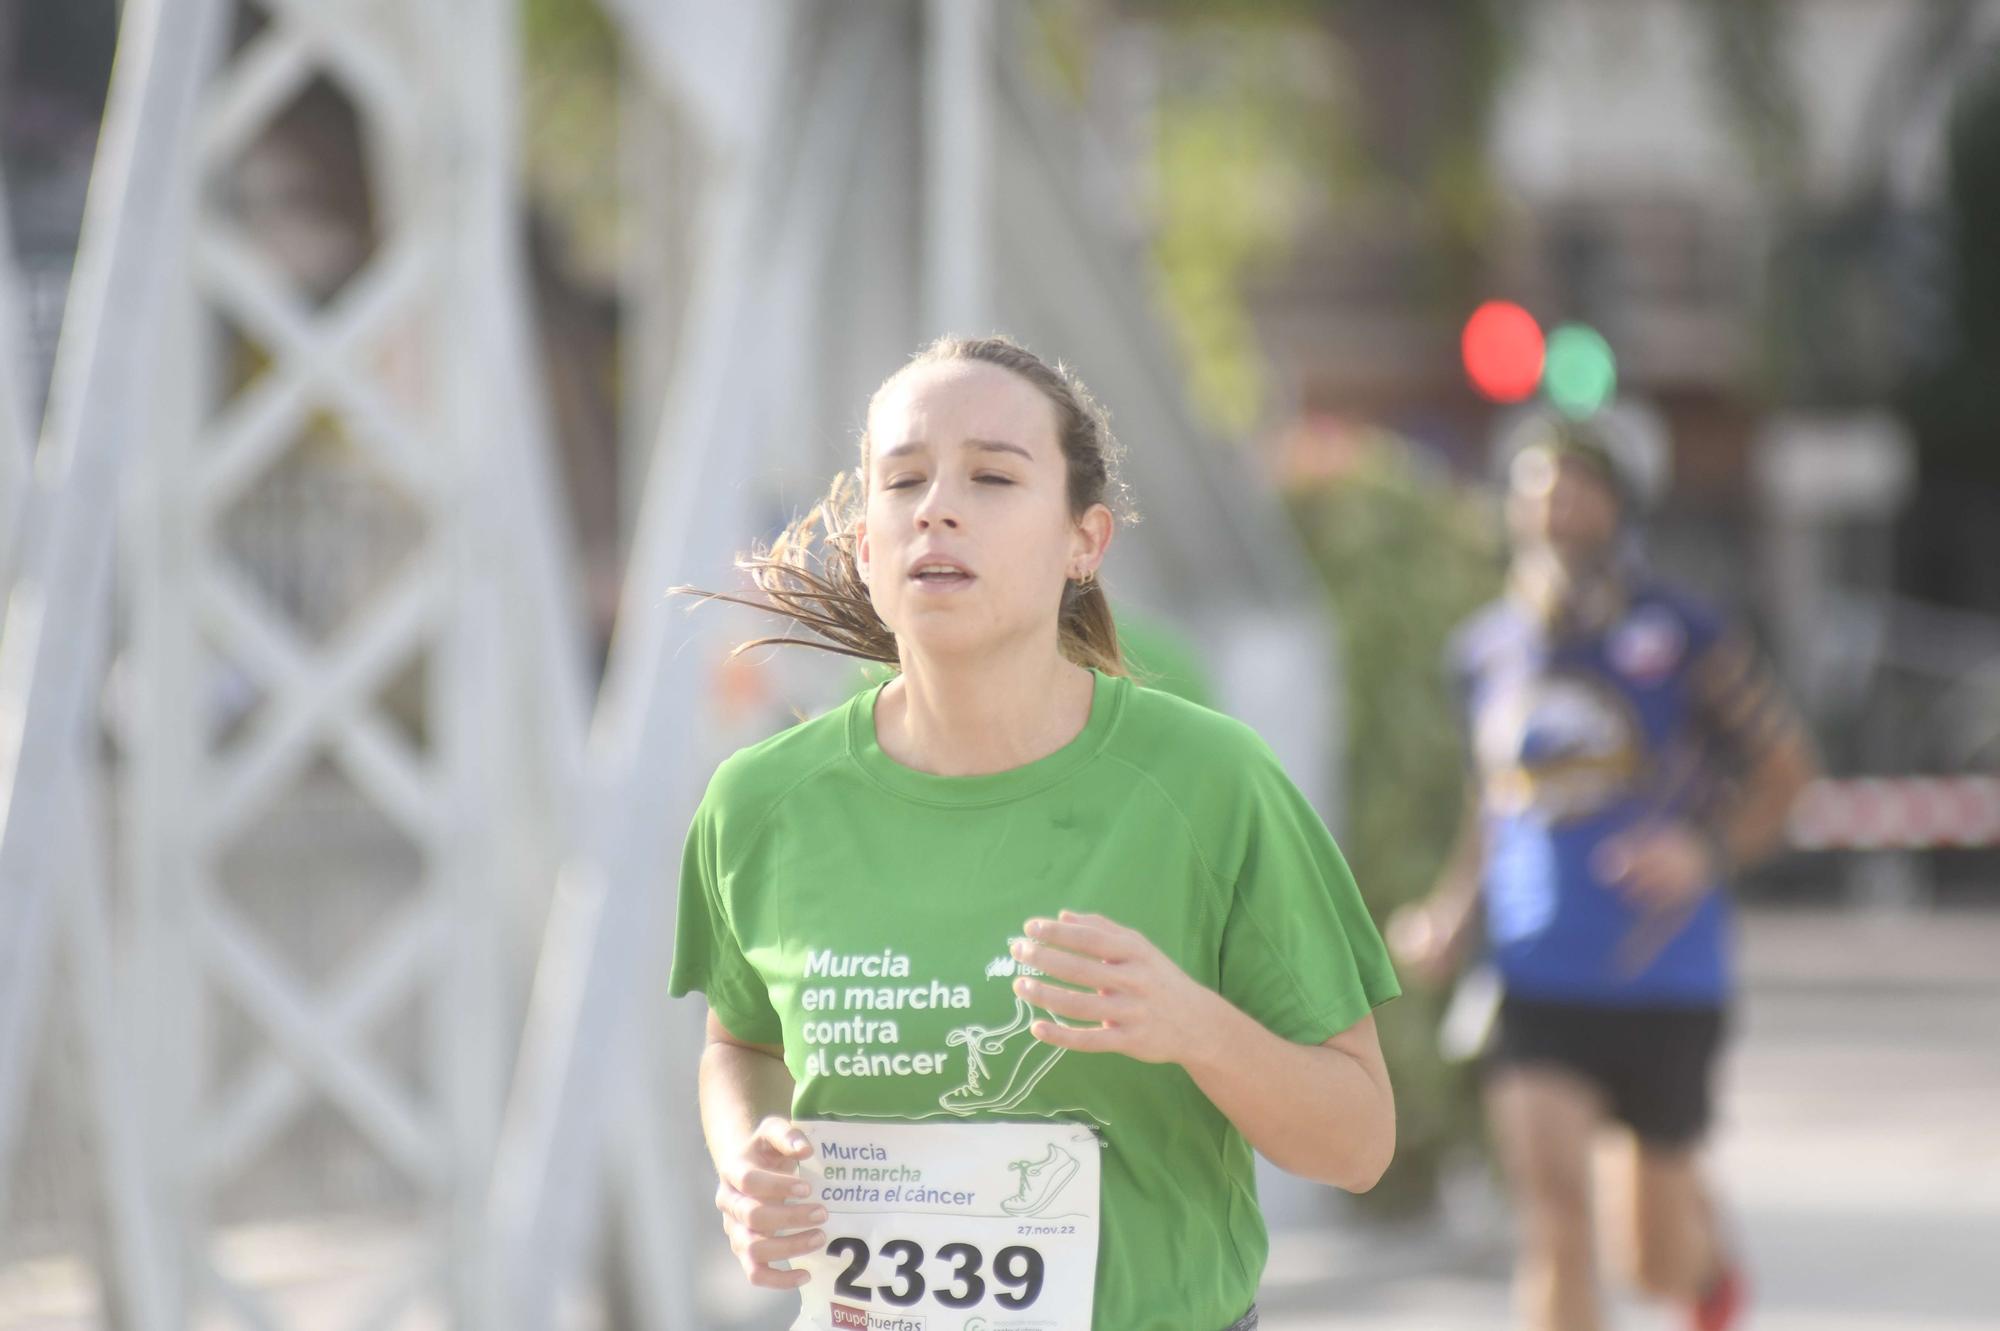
(1721, 1309)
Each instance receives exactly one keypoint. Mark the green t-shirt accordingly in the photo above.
(859, 912)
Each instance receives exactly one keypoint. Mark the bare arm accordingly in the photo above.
(1669, 866)
(742, 1084)
(1756, 829)
(1324, 1112)
(746, 1101)
(1429, 938)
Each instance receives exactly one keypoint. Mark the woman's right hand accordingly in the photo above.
(762, 1200)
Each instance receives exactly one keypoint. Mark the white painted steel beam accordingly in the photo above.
(423, 368)
(959, 72)
(644, 757)
(52, 634)
(17, 425)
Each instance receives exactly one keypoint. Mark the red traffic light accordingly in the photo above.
(1503, 351)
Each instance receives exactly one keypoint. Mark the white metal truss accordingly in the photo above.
(420, 365)
(17, 430)
(53, 636)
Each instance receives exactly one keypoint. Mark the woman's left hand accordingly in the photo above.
(1146, 1007)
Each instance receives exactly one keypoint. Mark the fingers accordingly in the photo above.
(781, 1248)
(1080, 970)
(783, 1141)
(764, 1207)
(1084, 1039)
(766, 1219)
(1076, 1004)
(1088, 935)
(766, 1185)
(756, 1255)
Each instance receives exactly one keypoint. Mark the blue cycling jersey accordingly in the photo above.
(1576, 736)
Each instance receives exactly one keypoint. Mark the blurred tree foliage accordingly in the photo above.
(1269, 122)
(569, 128)
(1407, 553)
(1248, 143)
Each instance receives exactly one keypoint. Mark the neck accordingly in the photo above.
(972, 716)
(1560, 590)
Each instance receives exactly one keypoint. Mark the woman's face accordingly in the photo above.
(966, 539)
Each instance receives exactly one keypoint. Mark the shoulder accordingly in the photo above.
(1213, 769)
(1657, 606)
(754, 780)
(1163, 730)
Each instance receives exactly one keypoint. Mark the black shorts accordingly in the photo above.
(1654, 1066)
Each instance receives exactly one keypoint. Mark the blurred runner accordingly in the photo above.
(1628, 756)
(1009, 962)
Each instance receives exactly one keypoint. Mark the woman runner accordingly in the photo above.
(1009, 961)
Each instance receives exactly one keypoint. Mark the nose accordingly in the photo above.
(937, 508)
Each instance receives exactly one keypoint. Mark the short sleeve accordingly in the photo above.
(1740, 706)
(1299, 951)
(707, 954)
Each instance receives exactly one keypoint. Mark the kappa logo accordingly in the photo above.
(1648, 646)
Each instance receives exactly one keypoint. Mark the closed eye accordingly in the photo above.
(994, 480)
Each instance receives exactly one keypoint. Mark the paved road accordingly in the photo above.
(1859, 1144)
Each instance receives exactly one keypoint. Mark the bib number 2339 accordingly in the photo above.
(952, 1227)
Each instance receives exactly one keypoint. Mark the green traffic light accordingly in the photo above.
(1581, 373)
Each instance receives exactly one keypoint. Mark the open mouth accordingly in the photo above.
(940, 574)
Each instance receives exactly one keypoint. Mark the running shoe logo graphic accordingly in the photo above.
(1041, 1181)
(1018, 1061)
(1002, 1063)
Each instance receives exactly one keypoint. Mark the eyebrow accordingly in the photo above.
(981, 445)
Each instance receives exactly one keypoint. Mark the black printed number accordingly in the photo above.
(913, 1280)
(847, 1282)
(1019, 1269)
(965, 1261)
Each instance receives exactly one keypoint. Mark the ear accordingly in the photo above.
(1091, 538)
(861, 555)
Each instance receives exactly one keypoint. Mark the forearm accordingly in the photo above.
(1313, 1110)
(1455, 894)
(1755, 828)
(739, 1088)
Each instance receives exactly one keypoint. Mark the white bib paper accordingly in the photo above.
(952, 1227)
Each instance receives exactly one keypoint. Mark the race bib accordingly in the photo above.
(952, 1227)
